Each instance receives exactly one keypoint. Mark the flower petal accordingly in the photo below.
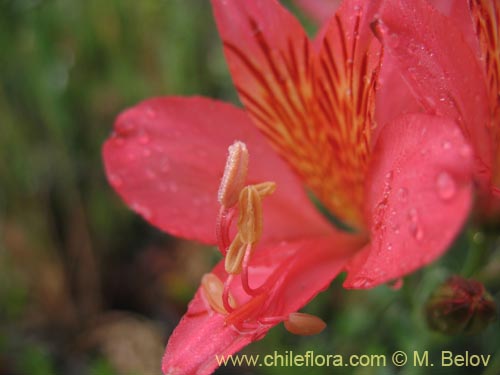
(419, 195)
(166, 159)
(441, 68)
(345, 79)
(292, 274)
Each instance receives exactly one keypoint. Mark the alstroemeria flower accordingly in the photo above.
(309, 122)
(450, 56)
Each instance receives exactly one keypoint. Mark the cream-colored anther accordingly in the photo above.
(213, 288)
(250, 218)
(265, 188)
(304, 324)
(235, 174)
(234, 256)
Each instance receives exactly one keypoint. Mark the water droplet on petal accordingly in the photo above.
(118, 141)
(361, 283)
(144, 139)
(393, 40)
(173, 187)
(151, 112)
(389, 246)
(142, 210)
(446, 186)
(115, 180)
(146, 152)
(403, 194)
(413, 215)
(396, 284)
(164, 165)
(446, 145)
(465, 151)
(416, 231)
(125, 128)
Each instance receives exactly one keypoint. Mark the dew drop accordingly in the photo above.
(393, 40)
(465, 151)
(389, 246)
(416, 231)
(118, 141)
(144, 139)
(146, 152)
(115, 180)
(413, 215)
(142, 210)
(403, 194)
(164, 165)
(125, 128)
(172, 186)
(150, 174)
(151, 112)
(446, 186)
(446, 145)
(361, 283)
(396, 284)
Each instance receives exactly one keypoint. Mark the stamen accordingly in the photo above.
(226, 296)
(244, 275)
(304, 324)
(213, 288)
(222, 226)
(247, 310)
(235, 174)
(250, 219)
(234, 256)
(265, 188)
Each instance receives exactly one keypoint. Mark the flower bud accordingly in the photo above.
(460, 306)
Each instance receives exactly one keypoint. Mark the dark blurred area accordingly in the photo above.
(88, 287)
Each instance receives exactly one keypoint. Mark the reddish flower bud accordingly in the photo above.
(460, 306)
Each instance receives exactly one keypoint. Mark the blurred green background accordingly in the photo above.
(86, 286)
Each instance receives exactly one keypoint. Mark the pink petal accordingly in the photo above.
(419, 195)
(166, 159)
(270, 59)
(319, 10)
(441, 68)
(292, 274)
(345, 80)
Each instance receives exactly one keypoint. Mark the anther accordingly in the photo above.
(235, 174)
(235, 255)
(304, 324)
(250, 218)
(213, 289)
(265, 188)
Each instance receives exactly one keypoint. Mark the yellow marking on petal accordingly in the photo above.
(486, 16)
(250, 220)
(318, 117)
(235, 174)
(304, 324)
(213, 288)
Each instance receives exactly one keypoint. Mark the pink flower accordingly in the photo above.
(309, 122)
(450, 57)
